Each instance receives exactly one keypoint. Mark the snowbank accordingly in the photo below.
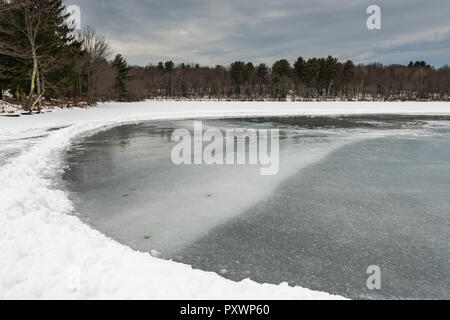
(48, 253)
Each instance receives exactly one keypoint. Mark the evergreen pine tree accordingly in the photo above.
(348, 73)
(123, 71)
(311, 72)
(281, 68)
(237, 74)
(281, 73)
(299, 67)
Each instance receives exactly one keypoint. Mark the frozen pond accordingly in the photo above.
(350, 193)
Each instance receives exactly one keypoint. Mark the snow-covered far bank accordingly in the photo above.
(49, 253)
(110, 111)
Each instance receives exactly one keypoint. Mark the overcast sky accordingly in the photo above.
(212, 32)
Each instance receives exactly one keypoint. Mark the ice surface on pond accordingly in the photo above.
(131, 165)
(358, 202)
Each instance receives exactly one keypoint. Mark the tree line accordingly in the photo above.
(311, 79)
(43, 59)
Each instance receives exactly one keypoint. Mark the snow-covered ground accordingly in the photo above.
(9, 109)
(49, 253)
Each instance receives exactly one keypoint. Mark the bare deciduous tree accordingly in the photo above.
(96, 53)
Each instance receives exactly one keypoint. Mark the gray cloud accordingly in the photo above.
(219, 31)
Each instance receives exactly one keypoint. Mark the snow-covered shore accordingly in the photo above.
(48, 253)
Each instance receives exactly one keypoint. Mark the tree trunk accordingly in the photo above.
(329, 88)
(38, 82)
(29, 105)
(89, 88)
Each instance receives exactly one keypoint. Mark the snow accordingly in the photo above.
(8, 109)
(47, 252)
